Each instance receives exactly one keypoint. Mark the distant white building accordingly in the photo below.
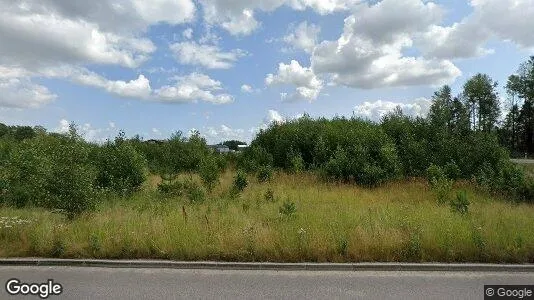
(241, 147)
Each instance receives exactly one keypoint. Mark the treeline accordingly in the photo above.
(461, 138)
(66, 173)
(517, 131)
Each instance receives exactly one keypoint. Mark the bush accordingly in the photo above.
(442, 188)
(461, 203)
(120, 167)
(169, 188)
(288, 209)
(188, 188)
(209, 171)
(265, 173)
(240, 182)
(435, 173)
(52, 172)
(363, 153)
(297, 163)
(195, 193)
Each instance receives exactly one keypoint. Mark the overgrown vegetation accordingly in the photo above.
(398, 221)
(341, 189)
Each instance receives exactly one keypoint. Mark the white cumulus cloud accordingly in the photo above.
(209, 56)
(376, 110)
(307, 85)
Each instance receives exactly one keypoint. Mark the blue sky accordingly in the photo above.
(228, 68)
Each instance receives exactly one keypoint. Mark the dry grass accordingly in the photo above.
(399, 221)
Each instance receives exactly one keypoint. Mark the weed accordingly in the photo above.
(269, 195)
(288, 209)
(265, 173)
(342, 246)
(461, 203)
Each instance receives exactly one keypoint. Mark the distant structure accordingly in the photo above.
(154, 142)
(220, 148)
(241, 147)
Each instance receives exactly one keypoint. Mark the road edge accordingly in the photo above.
(108, 263)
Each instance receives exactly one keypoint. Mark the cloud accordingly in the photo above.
(308, 86)
(22, 93)
(237, 16)
(38, 35)
(508, 20)
(304, 37)
(18, 91)
(273, 116)
(192, 88)
(369, 53)
(188, 33)
(245, 88)
(209, 56)
(223, 133)
(376, 110)
(65, 39)
(88, 132)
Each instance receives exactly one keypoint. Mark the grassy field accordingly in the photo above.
(400, 221)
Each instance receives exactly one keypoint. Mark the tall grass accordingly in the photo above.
(399, 221)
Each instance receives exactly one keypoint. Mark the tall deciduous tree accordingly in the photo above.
(482, 102)
(521, 87)
(441, 109)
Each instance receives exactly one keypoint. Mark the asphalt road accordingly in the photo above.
(125, 283)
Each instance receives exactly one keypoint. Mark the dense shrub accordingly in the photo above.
(183, 188)
(240, 182)
(51, 172)
(120, 167)
(210, 171)
(348, 150)
(265, 173)
(254, 158)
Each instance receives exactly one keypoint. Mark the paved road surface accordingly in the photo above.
(523, 161)
(124, 283)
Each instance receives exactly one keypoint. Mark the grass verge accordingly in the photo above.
(300, 219)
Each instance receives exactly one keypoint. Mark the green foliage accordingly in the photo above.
(195, 193)
(177, 154)
(440, 183)
(342, 246)
(233, 144)
(120, 167)
(253, 158)
(183, 188)
(435, 173)
(51, 172)
(269, 196)
(288, 209)
(240, 182)
(461, 203)
(172, 188)
(347, 150)
(297, 163)
(209, 171)
(265, 173)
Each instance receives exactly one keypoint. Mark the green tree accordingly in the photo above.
(482, 102)
(233, 144)
(521, 87)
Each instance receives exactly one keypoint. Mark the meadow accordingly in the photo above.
(291, 218)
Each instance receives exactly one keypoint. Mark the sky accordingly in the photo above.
(230, 67)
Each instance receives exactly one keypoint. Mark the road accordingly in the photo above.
(523, 161)
(136, 283)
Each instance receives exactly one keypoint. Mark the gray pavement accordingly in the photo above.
(154, 283)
